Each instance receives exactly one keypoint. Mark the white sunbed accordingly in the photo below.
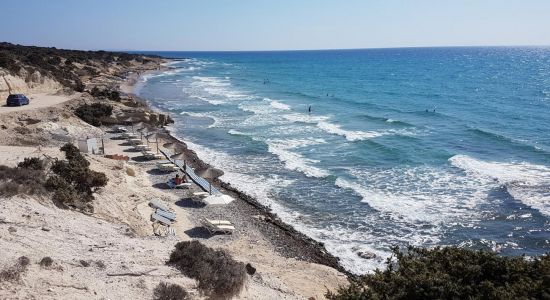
(158, 218)
(142, 147)
(157, 203)
(134, 141)
(151, 155)
(166, 214)
(167, 167)
(183, 185)
(218, 226)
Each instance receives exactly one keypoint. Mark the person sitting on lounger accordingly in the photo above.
(178, 180)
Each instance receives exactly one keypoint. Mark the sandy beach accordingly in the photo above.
(119, 236)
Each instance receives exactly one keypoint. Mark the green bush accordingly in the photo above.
(105, 94)
(168, 291)
(94, 113)
(27, 179)
(453, 273)
(74, 183)
(33, 163)
(218, 274)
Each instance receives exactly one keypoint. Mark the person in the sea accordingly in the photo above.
(309, 109)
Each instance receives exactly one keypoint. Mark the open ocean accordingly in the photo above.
(417, 146)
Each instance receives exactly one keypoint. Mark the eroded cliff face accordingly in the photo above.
(25, 82)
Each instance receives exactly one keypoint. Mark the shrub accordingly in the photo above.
(74, 183)
(14, 181)
(168, 291)
(218, 274)
(105, 94)
(94, 113)
(453, 273)
(46, 262)
(33, 163)
(13, 273)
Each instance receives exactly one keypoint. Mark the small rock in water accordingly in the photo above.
(366, 255)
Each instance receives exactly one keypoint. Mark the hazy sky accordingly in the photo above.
(274, 24)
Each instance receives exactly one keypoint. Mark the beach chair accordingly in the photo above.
(142, 147)
(166, 214)
(162, 220)
(183, 185)
(167, 167)
(157, 204)
(218, 226)
(134, 141)
(151, 155)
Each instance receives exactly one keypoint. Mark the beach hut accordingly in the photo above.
(88, 145)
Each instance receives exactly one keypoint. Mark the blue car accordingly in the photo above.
(17, 100)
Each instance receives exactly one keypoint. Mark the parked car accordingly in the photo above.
(17, 100)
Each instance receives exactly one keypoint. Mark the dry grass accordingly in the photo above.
(14, 272)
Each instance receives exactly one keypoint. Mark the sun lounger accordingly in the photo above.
(158, 218)
(166, 214)
(156, 203)
(142, 147)
(167, 167)
(134, 141)
(218, 226)
(183, 185)
(151, 155)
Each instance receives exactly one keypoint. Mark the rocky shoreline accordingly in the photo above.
(287, 241)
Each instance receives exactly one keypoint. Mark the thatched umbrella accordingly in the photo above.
(155, 136)
(131, 120)
(210, 172)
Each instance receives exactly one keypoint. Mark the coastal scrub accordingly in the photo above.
(453, 273)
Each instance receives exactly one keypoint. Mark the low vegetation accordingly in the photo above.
(94, 113)
(169, 291)
(14, 272)
(65, 66)
(218, 274)
(27, 178)
(453, 273)
(105, 94)
(46, 262)
(73, 183)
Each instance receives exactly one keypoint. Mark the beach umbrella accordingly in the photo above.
(131, 120)
(155, 136)
(178, 156)
(210, 172)
(219, 199)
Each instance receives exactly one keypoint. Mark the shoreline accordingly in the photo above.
(287, 241)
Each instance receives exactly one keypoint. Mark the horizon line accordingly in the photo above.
(297, 50)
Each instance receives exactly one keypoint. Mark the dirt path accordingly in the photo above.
(37, 101)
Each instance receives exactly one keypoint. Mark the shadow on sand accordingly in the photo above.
(199, 233)
(189, 203)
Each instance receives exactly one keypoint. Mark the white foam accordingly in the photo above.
(279, 105)
(348, 134)
(235, 132)
(304, 118)
(295, 161)
(528, 183)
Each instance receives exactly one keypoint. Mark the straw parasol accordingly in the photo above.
(155, 136)
(211, 173)
(131, 120)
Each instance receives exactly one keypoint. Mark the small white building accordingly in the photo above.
(88, 146)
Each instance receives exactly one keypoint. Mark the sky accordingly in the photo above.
(229, 25)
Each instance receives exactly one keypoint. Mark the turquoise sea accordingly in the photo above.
(413, 146)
